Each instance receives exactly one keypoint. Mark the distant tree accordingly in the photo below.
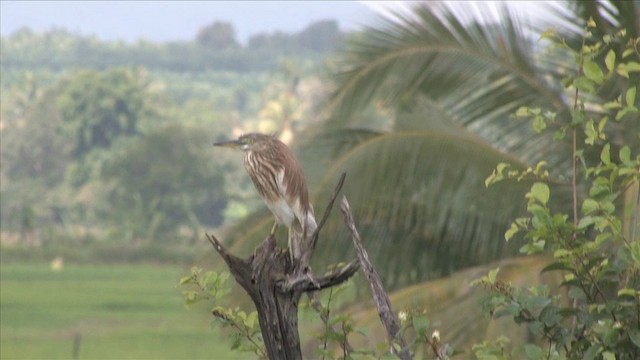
(31, 146)
(164, 180)
(277, 40)
(320, 36)
(33, 154)
(219, 35)
(98, 107)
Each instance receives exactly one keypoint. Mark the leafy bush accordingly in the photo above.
(597, 247)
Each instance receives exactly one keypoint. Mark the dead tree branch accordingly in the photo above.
(387, 316)
(275, 286)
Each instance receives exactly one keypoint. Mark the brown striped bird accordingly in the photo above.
(280, 181)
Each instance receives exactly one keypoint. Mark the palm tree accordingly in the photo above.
(420, 115)
(449, 87)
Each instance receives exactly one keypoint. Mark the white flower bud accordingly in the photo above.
(435, 336)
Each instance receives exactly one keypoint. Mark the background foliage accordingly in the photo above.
(106, 151)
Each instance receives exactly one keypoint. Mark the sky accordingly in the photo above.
(162, 21)
(176, 20)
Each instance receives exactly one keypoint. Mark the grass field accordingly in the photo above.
(113, 312)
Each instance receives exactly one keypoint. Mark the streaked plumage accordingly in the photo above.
(280, 181)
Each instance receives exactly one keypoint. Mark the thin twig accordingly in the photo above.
(387, 316)
(574, 168)
(258, 349)
(327, 211)
(325, 320)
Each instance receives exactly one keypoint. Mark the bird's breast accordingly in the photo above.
(282, 211)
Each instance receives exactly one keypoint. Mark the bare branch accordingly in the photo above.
(325, 215)
(308, 282)
(337, 277)
(387, 316)
(228, 258)
(238, 267)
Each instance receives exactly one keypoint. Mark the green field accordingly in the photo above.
(115, 311)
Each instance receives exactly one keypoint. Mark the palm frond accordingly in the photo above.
(435, 54)
(421, 204)
(478, 75)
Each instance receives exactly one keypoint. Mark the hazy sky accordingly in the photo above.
(180, 20)
(175, 20)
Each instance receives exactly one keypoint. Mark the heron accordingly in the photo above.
(280, 181)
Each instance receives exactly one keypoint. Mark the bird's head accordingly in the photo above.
(249, 142)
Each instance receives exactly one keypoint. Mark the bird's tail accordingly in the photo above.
(310, 224)
(302, 234)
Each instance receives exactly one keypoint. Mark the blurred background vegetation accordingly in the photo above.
(106, 153)
(108, 142)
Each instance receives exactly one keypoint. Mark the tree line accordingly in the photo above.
(214, 47)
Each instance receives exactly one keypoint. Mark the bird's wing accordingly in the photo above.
(293, 187)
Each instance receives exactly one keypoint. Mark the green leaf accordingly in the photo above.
(625, 155)
(627, 292)
(627, 52)
(586, 221)
(625, 68)
(633, 66)
(493, 274)
(605, 155)
(593, 72)
(533, 248)
(522, 111)
(561, 253)
(560, 133)
(612, 105)
(585, 84)
(514, 229)
(590, 131)
(610, 60)
(625, 111)
(534, 352)
(186, 280)
(601, 125)
(540, 191)
(576, 293)
(608, 355)
(555, 266)
(538, 211)
(630, 96)
(589, 205)
(592, 352)
(539, 124)
(634, 335)
(421, 325)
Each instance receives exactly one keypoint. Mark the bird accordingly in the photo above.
(280, 181)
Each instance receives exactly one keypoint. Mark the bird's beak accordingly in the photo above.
(230, 144)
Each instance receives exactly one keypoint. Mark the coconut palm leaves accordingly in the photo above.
(476, 75)
(420, 115)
